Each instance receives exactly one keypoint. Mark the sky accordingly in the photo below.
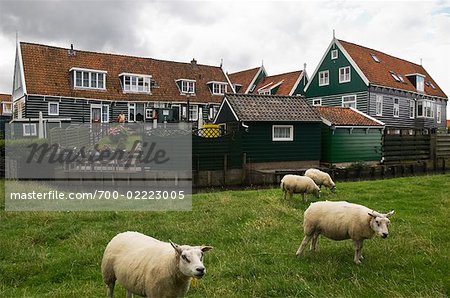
(281, 35)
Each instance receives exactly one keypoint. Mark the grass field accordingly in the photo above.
(255, 235)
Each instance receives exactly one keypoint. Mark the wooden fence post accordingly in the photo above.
(225, 167)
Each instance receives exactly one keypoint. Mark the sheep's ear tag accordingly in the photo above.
(194, 282)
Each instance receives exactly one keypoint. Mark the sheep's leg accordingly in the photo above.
(303, 245)
(129, 294)
(285, 194)
(314, 242)
(303, 197)
(110, 289)
(358, 248)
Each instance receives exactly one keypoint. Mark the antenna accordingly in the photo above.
(262, 62)
(420, 61)
(221, 62)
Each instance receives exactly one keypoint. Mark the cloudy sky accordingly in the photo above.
(282, 35)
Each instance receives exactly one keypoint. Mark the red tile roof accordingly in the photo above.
(288, 82)
(340, 116)
(47, 68)
(379, 73)
(244, 78)
(5, 97)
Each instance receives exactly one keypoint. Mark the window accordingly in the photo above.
(89, 79)
(213, 112)
(420, 82)
(136, 83)
(53, 108)
(412, 106)
(131, 112)
(379, 105)
(425, 109)
(193, 113)
(105, 114)
(334, 54)
(438, 114)
(349, 101)
(396, 107)
(219, 89)
(432, 86)
(282, 132)
(7, 108)
(264, 92)
(344, 74)
(324, 78)
(375, 58)
(187, 86)
(317, 102)
(395, 76)
(29, 129)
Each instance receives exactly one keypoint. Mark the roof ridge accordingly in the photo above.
(241, 71)
(340, 40)
(113, 54)
(284, 73)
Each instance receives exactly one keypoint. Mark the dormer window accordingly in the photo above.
(420, 81)
(135, 83)
(186, 86)
(217, 88)
(88, 78)
(264, 92)
(237, 87)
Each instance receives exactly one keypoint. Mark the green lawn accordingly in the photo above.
(255, 235)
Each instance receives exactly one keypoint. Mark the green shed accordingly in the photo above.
(278, 132)
(349, 135)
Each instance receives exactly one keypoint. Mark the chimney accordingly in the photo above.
(72, 52)
(193, 62)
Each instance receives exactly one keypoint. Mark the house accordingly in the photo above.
(77, 86)
(397, 92)
(349, 135)
(277, 132)
(256, 81)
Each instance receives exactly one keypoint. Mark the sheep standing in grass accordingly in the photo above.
(343, 220)
(299, 184)
(321, 178)
(151, 268)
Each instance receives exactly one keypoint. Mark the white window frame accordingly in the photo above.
(379, 105)
(134, 87)
(344, 77)
(264, 92)
(283, 139)
(422, 85)
(219, 88)
(438, 113)
(345, 100)
(396, 107)
(334, 54)
(57, 108)
(132, 106)
(89, 73)
(5, 110)
(325, 80)
(317, 102)
(32, 132)
(193, 108)
(186, 85)
(107, 113)
(412, 108)
(427, 109)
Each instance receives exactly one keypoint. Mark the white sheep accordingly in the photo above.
(340, 221)
(151, 268)
(321, 178)
(299, 184)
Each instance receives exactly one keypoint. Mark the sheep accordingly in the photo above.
(321, 178)
(343, 220)
(299, 184)
(148, 267)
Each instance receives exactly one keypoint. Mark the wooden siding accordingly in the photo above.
(343, 146)
(403, 121)
(259, 147)
(335, 100)
(300, 87)
(398, 148)
(355, 85)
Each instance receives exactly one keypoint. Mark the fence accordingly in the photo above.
(400, 148)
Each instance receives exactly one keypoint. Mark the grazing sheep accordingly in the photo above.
(299, 184)
(343, 220)
(151, 268)
(321, 178)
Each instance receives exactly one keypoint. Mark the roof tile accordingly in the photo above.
(344, 116)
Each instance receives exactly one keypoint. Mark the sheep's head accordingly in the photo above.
(380, 222)
(333, 188)
(191, 259)
(317, 192)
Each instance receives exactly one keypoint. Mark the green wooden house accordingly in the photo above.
(277, 132)
(395, 91)
(349, 135)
